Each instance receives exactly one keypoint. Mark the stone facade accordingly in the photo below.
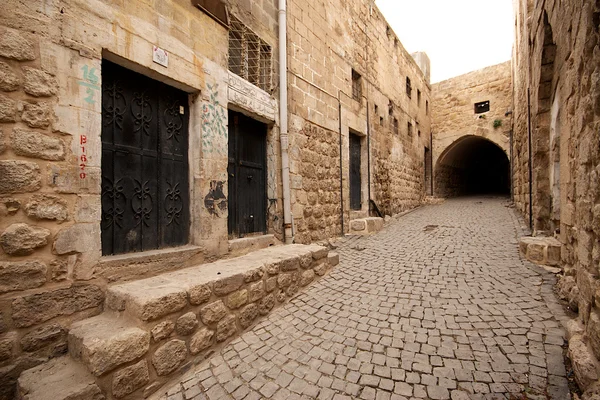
(456, 125)
(556, 70)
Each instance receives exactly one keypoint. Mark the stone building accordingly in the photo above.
(556, 75)
(138, 138)
(471, 132)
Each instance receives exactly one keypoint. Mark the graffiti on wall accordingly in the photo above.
(90, 82)
(214, 128)
(216, 201)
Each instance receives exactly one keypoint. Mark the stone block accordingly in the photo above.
(307, 277)
(306, 261)
(237, 299)
(284, 280)
(247, 315)
(256, 291)
(59, 270)
(43, 337)
(202, 340)
(36, 115)
(169, 357)
(37, 145)
(39, 83)
(253, 275)
(9, 206)
(186, 324)
(129, 379)
(271, 284)
(583, 363)
(2, 142)
(226, 328)
(272, 268)
(535, 253)
(321, 269)
(37, 308)
(77, 238)
(103, 343)
(593, 332)
(15, 45)
(199, 294)
(19, 176)
(333, 259)
(44, 206)
(320, 253)
(266, 304)
(290, 264)
(23, 239)
(8, 109)
(213, 312)
(21, 275)
(162, 331)
(228, 285)
(9, 81)
(358, 225)
(7, 345)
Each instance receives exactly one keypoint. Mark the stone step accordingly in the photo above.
(59, 379)
(107, 341)
(366, 226)
(541, 250)
(153, 298)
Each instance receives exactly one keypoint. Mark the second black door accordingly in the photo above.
(247, 175)
(355, 183)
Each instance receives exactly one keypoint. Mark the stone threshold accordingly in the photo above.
(154, 329)
(366, 226)
(242, 246)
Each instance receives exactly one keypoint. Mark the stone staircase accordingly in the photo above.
(153, 329)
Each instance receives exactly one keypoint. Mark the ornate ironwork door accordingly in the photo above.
(355, 183)
(247, 175)
(145, 196)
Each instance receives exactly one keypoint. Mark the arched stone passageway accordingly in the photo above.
(472, 165)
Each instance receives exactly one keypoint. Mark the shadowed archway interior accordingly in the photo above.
(472, 165)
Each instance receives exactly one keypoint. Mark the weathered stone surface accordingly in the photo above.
(129, 379)
(271, 284)
(290, 264)
(306, 261)
(226, 328)
(103, 343)
(202, 340)
(284, 280)
(59, 270)
(34, 309)
(321, 269)
(2, 142)
(3, 326)
(23, 239)
(247, 315)
(228, 285)
(39, 83)
(333, 259)
(36, 115)
(186, 324)
(583, 363)
(320, 253)
(292, 289)
(163, 330)
(8, 109)
(78, 238)
(272, 268)
(169, 357)
(7, 344)
(21, 275)
(256, 291)
(213, 312)
(43, 206)
(9, 206)
(593, 332)
(254, 275)
(307, 277)
(43, 337)
(9, 81)
(358, 225)
(266, 304)
(37, 145)
(237, 299)
(19, 176)
(16, 46)
(199, 294)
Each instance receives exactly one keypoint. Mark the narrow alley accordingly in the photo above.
(437, 305)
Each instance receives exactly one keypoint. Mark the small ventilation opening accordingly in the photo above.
(482, 107)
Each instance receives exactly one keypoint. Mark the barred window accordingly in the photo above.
(249, 56)
(356, 86)
(418, 97)
(408, 87)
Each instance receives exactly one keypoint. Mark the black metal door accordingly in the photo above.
(145, 197)
(355, 185)
(247, 175)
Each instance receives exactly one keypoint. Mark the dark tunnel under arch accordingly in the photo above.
(472, 165)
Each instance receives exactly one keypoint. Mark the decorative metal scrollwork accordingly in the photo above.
(173, 203)
(142, 203)
(113, 104)
(173, 120)
(141, 109)
(113, 203)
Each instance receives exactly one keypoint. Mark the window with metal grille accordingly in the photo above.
(408, 87)
(249, 56)
(396, 126)
(356, 86)
(482, 107)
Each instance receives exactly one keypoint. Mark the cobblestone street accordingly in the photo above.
(437, 305)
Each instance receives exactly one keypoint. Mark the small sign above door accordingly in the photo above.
(160, 56)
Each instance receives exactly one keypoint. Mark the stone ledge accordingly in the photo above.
(540, 250)
(366, 226)
(238, 247)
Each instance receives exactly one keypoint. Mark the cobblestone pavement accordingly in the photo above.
(438, 305)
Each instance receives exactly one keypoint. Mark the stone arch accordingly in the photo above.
(472, 165)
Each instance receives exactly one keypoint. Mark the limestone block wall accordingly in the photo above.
(556, 64)
(327, 41)
(52, 271)
(454, 116)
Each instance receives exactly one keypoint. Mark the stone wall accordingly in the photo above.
(327, 41)
(556, 64)
(454, 118)
(52, 271)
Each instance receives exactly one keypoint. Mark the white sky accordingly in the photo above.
(459, 36)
